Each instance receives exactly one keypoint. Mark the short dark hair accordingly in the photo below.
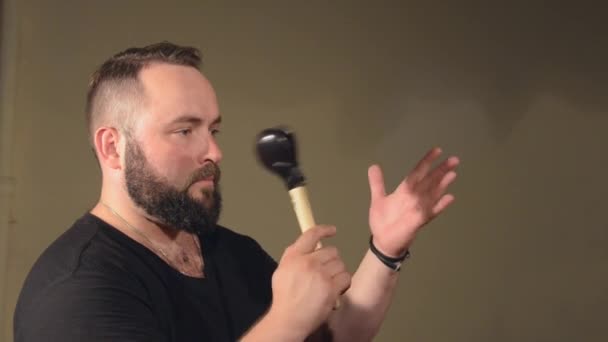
(115, 85)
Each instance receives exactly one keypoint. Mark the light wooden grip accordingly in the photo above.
(301, 205)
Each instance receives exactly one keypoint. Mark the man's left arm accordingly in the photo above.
(394, 220)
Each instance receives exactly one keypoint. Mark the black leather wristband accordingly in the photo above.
(392, 263)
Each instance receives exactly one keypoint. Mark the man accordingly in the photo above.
(149, 262)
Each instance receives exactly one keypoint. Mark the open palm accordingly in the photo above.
(395, 218)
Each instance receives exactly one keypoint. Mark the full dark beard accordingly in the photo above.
(173, 207)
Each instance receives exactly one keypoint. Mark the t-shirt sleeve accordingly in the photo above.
(88, 307)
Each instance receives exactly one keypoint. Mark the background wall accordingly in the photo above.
(519, 92)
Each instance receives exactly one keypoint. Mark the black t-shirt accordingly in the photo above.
(96, 284)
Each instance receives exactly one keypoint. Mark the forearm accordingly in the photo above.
(364, 305)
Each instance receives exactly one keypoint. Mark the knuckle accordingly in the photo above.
(310, 264)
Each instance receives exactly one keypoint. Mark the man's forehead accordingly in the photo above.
(164, 76)
(177, 90)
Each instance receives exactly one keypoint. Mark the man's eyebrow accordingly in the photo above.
(193, 119)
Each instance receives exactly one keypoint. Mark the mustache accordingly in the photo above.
(209, 171)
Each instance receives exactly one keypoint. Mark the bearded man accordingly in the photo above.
(149, 262)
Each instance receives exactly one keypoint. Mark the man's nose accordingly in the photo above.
(213, 151)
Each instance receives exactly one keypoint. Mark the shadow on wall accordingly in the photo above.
(501, 59)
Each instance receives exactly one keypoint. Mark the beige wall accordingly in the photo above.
(520, 93)
(7, 179)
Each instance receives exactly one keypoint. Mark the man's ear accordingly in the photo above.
(107, 146)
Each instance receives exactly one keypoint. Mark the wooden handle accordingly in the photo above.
(301, 205)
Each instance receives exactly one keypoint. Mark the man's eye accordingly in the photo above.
(185, 132)
(215, 132)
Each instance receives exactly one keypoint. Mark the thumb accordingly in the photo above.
(376, 182)
(307, 242)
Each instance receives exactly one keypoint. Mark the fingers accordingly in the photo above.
(307, 242)
(341, 283)
(376, 182)
(423, 166)
(335, 271)
(435, 176)
(437, 184)
(443, 203)
(334, 267)
(325, 254)
(433, 183)
(327, 260)
(441, 188)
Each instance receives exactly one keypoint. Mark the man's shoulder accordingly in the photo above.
(88, 271)
(85, 247)
(65, 252)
